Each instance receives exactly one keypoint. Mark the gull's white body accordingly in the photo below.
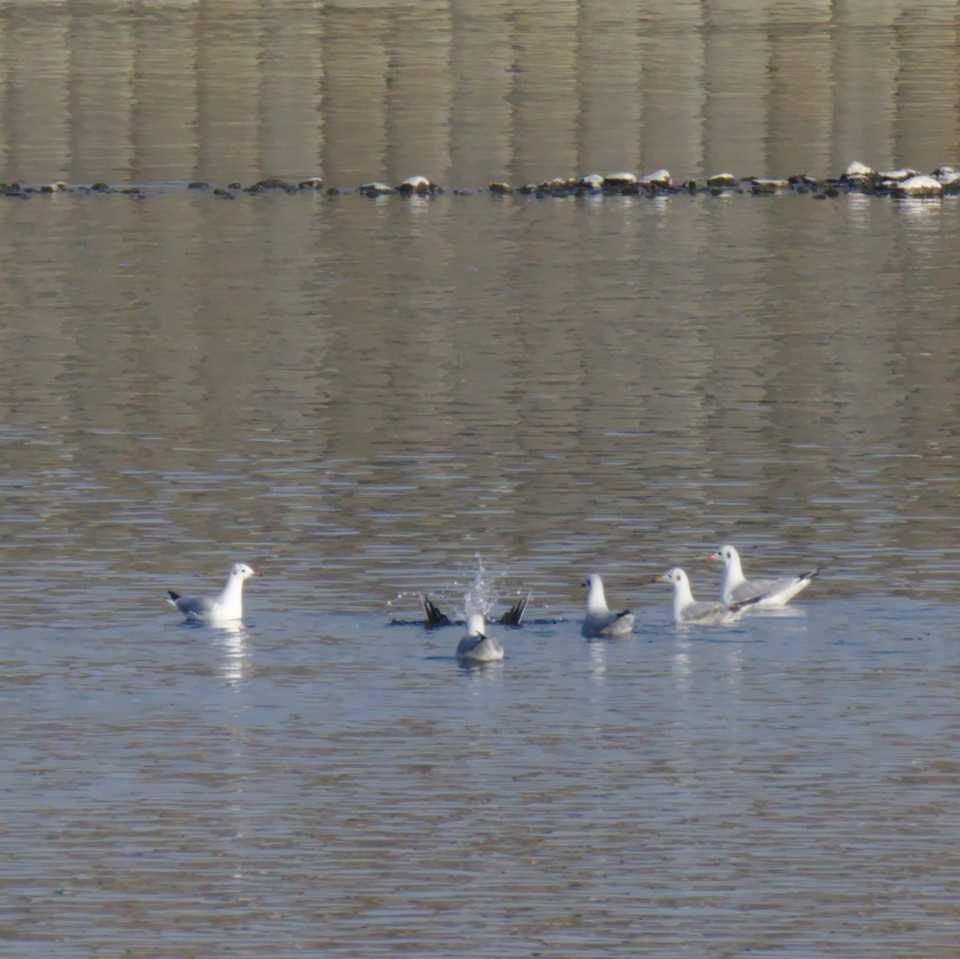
(477, 646)
(225, 607)
(600, 621)
(769, 593)
(687, 610)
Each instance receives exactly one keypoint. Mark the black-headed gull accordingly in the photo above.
(600, 621)
(767, 592)
(687, 610)
(225, 607)
(477, 646)
(435, 618)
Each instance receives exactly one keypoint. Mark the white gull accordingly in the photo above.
(600, 621)
(477, 646)
(687, 610)
(225, 607)
(766, 592)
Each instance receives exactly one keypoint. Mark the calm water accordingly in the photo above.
(368, 398)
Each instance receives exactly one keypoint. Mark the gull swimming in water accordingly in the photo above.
(225, 607)
(687, 610)
(477, 646)
(435, 618)
(600, 621)
(767, 592)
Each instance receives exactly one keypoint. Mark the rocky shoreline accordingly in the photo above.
(857, 178)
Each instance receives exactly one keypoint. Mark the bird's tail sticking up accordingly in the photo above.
(434, 617)
(514, 615)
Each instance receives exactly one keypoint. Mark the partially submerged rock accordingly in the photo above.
(419, 185)
(722, 180)
(897, 176)
(558, 185)
(948, 176)
(620, 179)
(375, 188)
(659, 178)
(919, 185)
(767, 184)
(858, 171)
(270, 183)
(592, 182)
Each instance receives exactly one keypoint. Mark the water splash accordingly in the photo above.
(480, 596)
(405, 597)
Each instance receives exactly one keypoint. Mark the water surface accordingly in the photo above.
(365, 399)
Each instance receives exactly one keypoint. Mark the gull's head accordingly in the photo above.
(592, 582)
(241, 571)
(728, 554)
(476, 625)
(676, 577)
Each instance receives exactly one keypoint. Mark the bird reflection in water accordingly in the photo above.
(598, 662)
(234, 662)
(681, 667)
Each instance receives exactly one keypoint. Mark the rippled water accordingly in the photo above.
(367, 399)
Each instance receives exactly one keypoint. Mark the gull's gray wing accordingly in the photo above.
(469, 643)
(613, 624)
(703, 612)
(785, 587)
(190, 606)
(758, 588)
(746, 603)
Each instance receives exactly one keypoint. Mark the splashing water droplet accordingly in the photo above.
(480, 596)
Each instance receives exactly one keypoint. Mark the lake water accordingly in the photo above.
(366, 399)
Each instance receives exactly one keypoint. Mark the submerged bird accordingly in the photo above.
(687, 610)
(767, 592)
(600, 621)
(435, 618)
(477, 646)
(225, 607)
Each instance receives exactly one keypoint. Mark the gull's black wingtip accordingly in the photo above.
(514, 615)
(434, 617)
(174, 596)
